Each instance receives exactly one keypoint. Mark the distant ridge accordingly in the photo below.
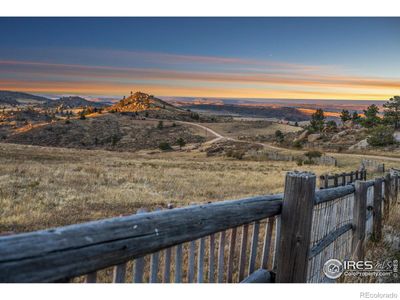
(18, 98)
(74, 102)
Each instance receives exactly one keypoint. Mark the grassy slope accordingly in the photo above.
(250, 128)
(43, 187)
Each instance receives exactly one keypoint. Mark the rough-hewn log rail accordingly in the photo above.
(259, 276)
(329, 239)
(333, 193)
(66, 252)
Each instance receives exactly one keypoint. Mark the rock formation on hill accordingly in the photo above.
(141, 102)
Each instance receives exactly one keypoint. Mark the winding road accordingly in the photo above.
(219, 137)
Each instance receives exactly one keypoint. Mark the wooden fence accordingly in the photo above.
(334, 180)
(273, 238)
(373, 165)
(277, 156)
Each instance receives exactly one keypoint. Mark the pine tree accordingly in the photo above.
(355, 117)
(317, 121)
(345, 115)
(392, 112)
(371, 116)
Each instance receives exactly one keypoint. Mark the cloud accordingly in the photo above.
(245, 77)
(115, 73)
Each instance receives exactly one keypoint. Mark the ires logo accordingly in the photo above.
(334, 268)
(358, 265)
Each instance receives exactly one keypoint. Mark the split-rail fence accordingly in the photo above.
(270, 238)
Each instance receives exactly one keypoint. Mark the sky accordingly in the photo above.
(288, 58)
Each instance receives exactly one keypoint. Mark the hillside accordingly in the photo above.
(144, 105)
(106, 131)
(18, 98)
(74, 102)
(140, 102)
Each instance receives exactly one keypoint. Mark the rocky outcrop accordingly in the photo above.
(339, 135)
(314, 137)
(141, 102)
(302, 136)
(396, 136)
(363, 144)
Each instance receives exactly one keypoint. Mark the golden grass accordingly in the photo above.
(42, 187)
(388, 248)
(45, 187)
(250, 128)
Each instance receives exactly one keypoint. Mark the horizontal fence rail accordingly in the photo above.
(334, 180)
(62, 253)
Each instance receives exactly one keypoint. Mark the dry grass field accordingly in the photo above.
(44, 187)
(250, 128)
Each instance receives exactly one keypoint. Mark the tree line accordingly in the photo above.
(381, 125)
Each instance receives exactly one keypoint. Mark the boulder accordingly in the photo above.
(301, 137)
(348, 124)
(396, 136)
(360, 145)
(339, 135)
(313, 137)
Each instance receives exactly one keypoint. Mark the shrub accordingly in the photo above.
(381, 136)
(160, 125)
(115, 139)
(297, 145)
(164, 146)
(310, 155)
(313, 154)
(299, 162)
(181, 142)
(331, 126)
(279, 136)
(235, 154)
(195, 116)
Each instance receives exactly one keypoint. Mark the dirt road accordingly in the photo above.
(219, 137)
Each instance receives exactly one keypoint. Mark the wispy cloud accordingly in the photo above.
(189, 77)
(115, 73)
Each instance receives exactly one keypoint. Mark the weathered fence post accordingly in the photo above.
(357, 175)
(396, 188)
(343, 178)
(387, 197)
(351, 176)
(359, 219)
(377, 221)
(294, 239)
(336, 180)
(326, 182)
